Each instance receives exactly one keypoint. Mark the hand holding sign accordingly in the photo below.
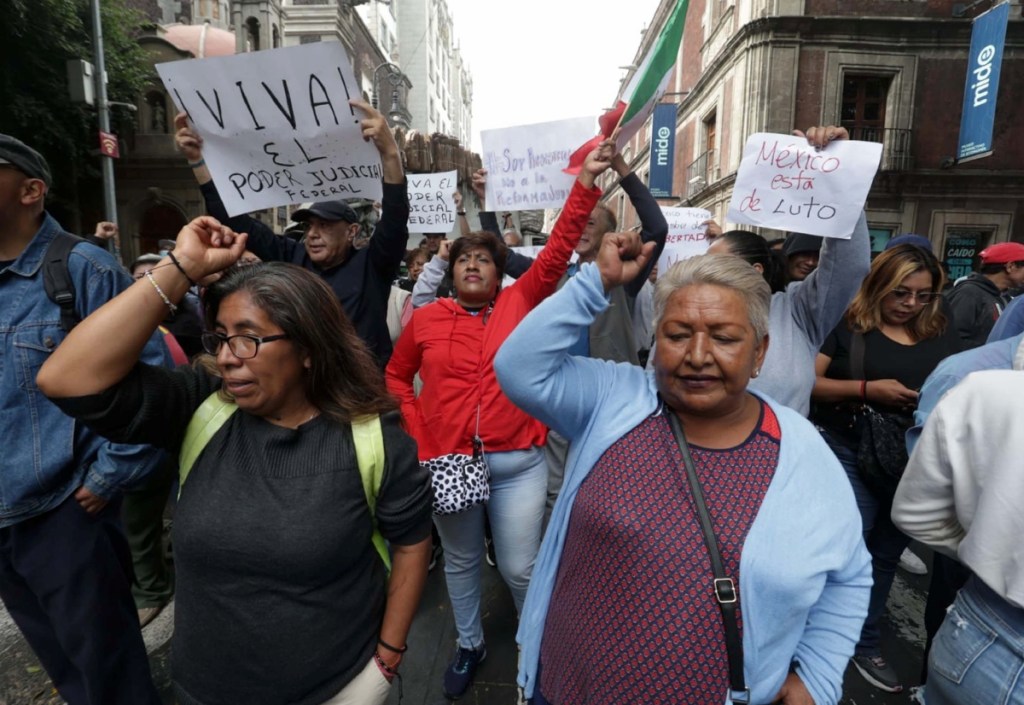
(789, 183)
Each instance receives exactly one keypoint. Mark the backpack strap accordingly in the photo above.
(211, 415)
(368, 437)
(57, 278)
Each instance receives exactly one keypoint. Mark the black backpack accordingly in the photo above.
(57, 279)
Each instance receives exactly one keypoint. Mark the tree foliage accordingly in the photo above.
(37, 38)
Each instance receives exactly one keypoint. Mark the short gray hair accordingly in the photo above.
(727, 271)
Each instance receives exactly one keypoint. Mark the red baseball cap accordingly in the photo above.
(1003, 253)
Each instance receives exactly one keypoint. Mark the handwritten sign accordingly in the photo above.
(784, 183)
(432, 202)
(524, 164)
(276, 125)
(687, 235)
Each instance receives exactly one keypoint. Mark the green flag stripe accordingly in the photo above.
(662, 59)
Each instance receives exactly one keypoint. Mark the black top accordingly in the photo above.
(280, 593)
(976, 303)
(362, 282)
(884, 358)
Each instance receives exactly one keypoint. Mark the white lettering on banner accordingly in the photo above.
(432, 202)
(524, 164)
(661, 145)
(687, 235)
(784, 183)
(982, 74)
(275, 131)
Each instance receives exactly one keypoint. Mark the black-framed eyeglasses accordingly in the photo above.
(243, 346)
(922, 297)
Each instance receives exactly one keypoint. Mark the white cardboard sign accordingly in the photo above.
(784, 183)
(687, 235)
(276, 125)
(432, 202)
(524, 163)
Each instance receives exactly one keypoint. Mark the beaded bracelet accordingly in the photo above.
(181, 269)
(149, 275)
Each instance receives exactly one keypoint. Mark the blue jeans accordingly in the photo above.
(516, 512)
(977, 657)
(884, 542)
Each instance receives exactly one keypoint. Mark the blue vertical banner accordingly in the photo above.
(663, 149)
(982, 87)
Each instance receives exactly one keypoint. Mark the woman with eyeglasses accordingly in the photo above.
(895, 332)
(282, 595)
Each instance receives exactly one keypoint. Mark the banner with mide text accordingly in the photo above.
(785, 183)
(431, 202)
(277, 126)
(524, 163)
(687, 235)
(985, 60)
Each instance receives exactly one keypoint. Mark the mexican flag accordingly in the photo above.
(644, 90)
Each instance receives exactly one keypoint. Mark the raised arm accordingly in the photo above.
(262, 240)
(103, 348)
(542, 278)
(391, 237)
(425, 290)
(821, 299)
(654, 227)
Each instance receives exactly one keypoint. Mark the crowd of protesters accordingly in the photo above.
(697, 483)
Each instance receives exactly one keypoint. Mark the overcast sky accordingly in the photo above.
(540, 60)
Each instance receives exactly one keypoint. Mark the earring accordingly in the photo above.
(756, 372)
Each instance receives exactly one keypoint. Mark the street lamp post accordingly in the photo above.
(397, 113)
(103, 112)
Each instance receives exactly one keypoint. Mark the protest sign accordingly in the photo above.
(432, 202)
(784, 183)
(687, 235)
(524, 164)
(276, 125)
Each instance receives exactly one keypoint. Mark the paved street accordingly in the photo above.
(431, 642)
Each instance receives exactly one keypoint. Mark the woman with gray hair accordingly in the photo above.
(705, 547)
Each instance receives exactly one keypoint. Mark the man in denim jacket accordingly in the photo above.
(65, 567)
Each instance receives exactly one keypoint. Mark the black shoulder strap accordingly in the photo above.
(725, 588)
(57, 279)
(857, 356)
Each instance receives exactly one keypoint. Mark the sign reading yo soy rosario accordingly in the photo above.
(784, 183)
(277, 126)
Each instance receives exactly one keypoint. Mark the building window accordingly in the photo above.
(961, 250)
(252, 34)
(863, 106)
(277, 38)
(879, 238)
(157, 104)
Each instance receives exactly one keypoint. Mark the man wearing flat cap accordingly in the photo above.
(978, 300)
(65, 567)
(361, 278)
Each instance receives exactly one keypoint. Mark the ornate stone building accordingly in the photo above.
(892, 71)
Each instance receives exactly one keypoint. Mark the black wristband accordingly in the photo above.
(460, 212)
(389, 647)
(181, 269)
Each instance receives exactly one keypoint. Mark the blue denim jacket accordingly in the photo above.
(46, 454)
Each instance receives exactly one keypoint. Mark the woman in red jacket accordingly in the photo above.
(451, 343)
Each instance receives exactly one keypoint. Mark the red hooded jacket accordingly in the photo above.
(453, 351)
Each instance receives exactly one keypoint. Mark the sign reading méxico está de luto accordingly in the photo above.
(786, 184)
(277, 126)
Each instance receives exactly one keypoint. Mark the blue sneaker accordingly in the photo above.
(460, 672)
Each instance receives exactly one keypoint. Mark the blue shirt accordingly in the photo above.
(46, 454)
(997, 355)
(1010, 323)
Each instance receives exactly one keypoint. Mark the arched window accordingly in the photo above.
(277, 37)
(252, 31)
(156, 104)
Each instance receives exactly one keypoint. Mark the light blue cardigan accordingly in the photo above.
(805, 575)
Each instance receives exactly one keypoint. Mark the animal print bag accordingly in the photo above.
(460, 481)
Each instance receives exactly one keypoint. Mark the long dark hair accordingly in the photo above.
(754, 249)
(344, 380)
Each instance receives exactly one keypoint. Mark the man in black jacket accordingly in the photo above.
(361, 279)
(978, 300)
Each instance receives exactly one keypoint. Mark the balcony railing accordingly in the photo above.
(896, 145)
(701, 173)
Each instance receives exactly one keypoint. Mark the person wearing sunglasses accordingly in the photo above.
(895, 332)
(281, 595)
